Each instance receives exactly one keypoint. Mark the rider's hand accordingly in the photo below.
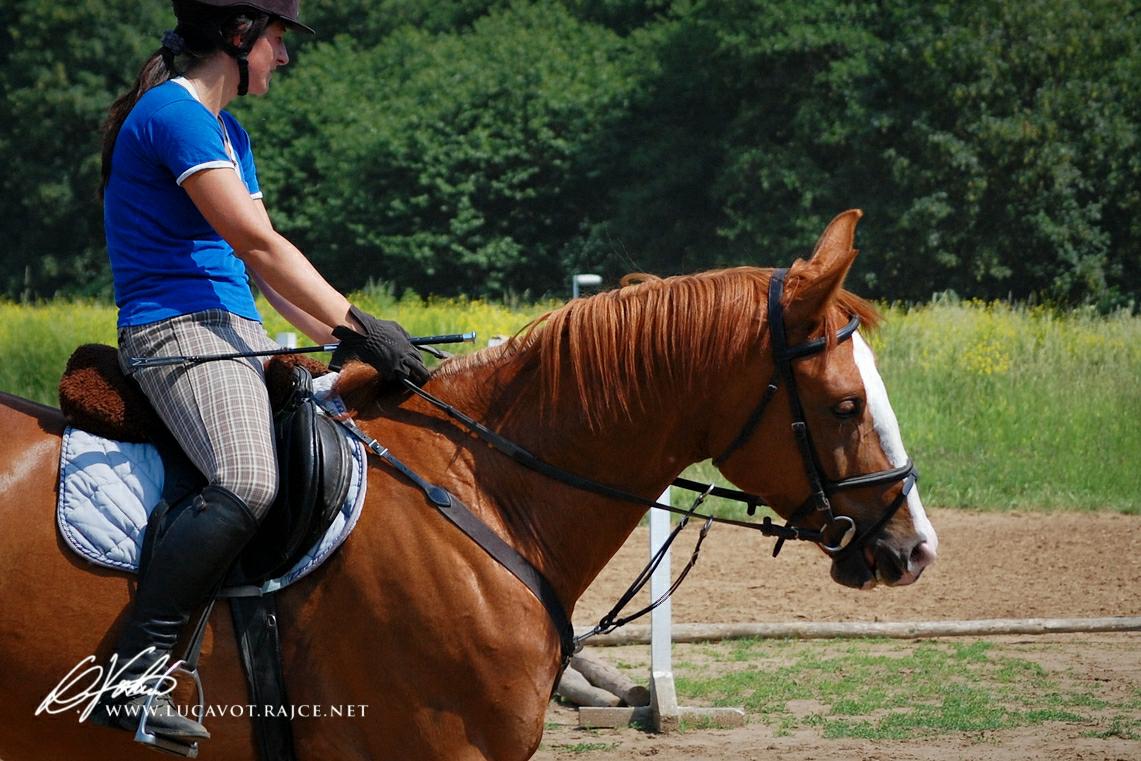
(384, 345)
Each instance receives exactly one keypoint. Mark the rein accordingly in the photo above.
(526, 459)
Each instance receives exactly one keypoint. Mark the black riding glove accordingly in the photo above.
(384, 345)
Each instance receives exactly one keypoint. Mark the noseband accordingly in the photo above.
(838, 537)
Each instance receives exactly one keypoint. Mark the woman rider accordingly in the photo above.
(185, 227)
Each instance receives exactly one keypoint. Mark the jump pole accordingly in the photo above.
(664, 712)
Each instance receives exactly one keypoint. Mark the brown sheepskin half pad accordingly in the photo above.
(279, 375)
(96, 396)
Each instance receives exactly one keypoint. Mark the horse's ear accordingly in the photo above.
(813, 284)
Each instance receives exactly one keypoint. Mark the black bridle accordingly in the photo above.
(838, 536)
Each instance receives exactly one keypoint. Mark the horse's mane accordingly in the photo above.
(614, 346)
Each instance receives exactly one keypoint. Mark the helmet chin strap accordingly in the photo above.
(243, 75)
(241, 52)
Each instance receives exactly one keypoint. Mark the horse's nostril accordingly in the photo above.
(921, 556)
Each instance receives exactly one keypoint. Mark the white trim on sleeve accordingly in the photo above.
(256, 196)
(207, 165)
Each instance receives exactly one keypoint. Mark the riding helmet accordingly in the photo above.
(286, 10)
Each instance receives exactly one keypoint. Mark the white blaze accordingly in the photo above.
(887, 428)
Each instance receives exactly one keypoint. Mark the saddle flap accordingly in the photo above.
(313, 459)
(336, 461)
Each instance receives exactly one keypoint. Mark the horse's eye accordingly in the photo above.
(847, 409)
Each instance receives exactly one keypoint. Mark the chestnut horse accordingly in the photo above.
(435, 650)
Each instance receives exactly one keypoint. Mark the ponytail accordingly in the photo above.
(154, 72)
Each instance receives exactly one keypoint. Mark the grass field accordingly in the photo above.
(1001, 407)
(867, 688)
(893, 690)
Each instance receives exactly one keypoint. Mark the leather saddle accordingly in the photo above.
(314, 461)
(314, 458)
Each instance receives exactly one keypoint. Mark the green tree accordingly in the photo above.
(61, 65)
(491, 146)
(369, 22)
(1010, 133)
(992, 145)
(621, 16)
(449, 163)
(730, 151)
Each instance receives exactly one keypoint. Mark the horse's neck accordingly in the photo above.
(568, 532)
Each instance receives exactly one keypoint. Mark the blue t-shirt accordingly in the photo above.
(166, 259)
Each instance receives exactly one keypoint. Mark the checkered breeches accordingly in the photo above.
(217, 411)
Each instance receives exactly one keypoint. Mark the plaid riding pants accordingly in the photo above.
(217, 411)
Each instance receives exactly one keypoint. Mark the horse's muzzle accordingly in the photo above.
(884, 562)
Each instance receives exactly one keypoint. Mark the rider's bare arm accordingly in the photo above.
(224, 201)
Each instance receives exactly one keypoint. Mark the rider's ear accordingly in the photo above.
(813, 284)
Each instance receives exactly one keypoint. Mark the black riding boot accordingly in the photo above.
(192, 550)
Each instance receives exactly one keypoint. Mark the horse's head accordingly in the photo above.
(820, 441)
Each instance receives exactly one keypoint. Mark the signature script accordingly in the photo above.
(87, 683)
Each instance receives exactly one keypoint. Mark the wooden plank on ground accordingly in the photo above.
(574, 687)
(682, 633)
(606, 677)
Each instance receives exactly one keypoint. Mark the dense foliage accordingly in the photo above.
(490, 147)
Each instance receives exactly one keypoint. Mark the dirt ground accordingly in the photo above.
(991, 565)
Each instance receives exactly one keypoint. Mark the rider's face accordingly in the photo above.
(266, 55)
